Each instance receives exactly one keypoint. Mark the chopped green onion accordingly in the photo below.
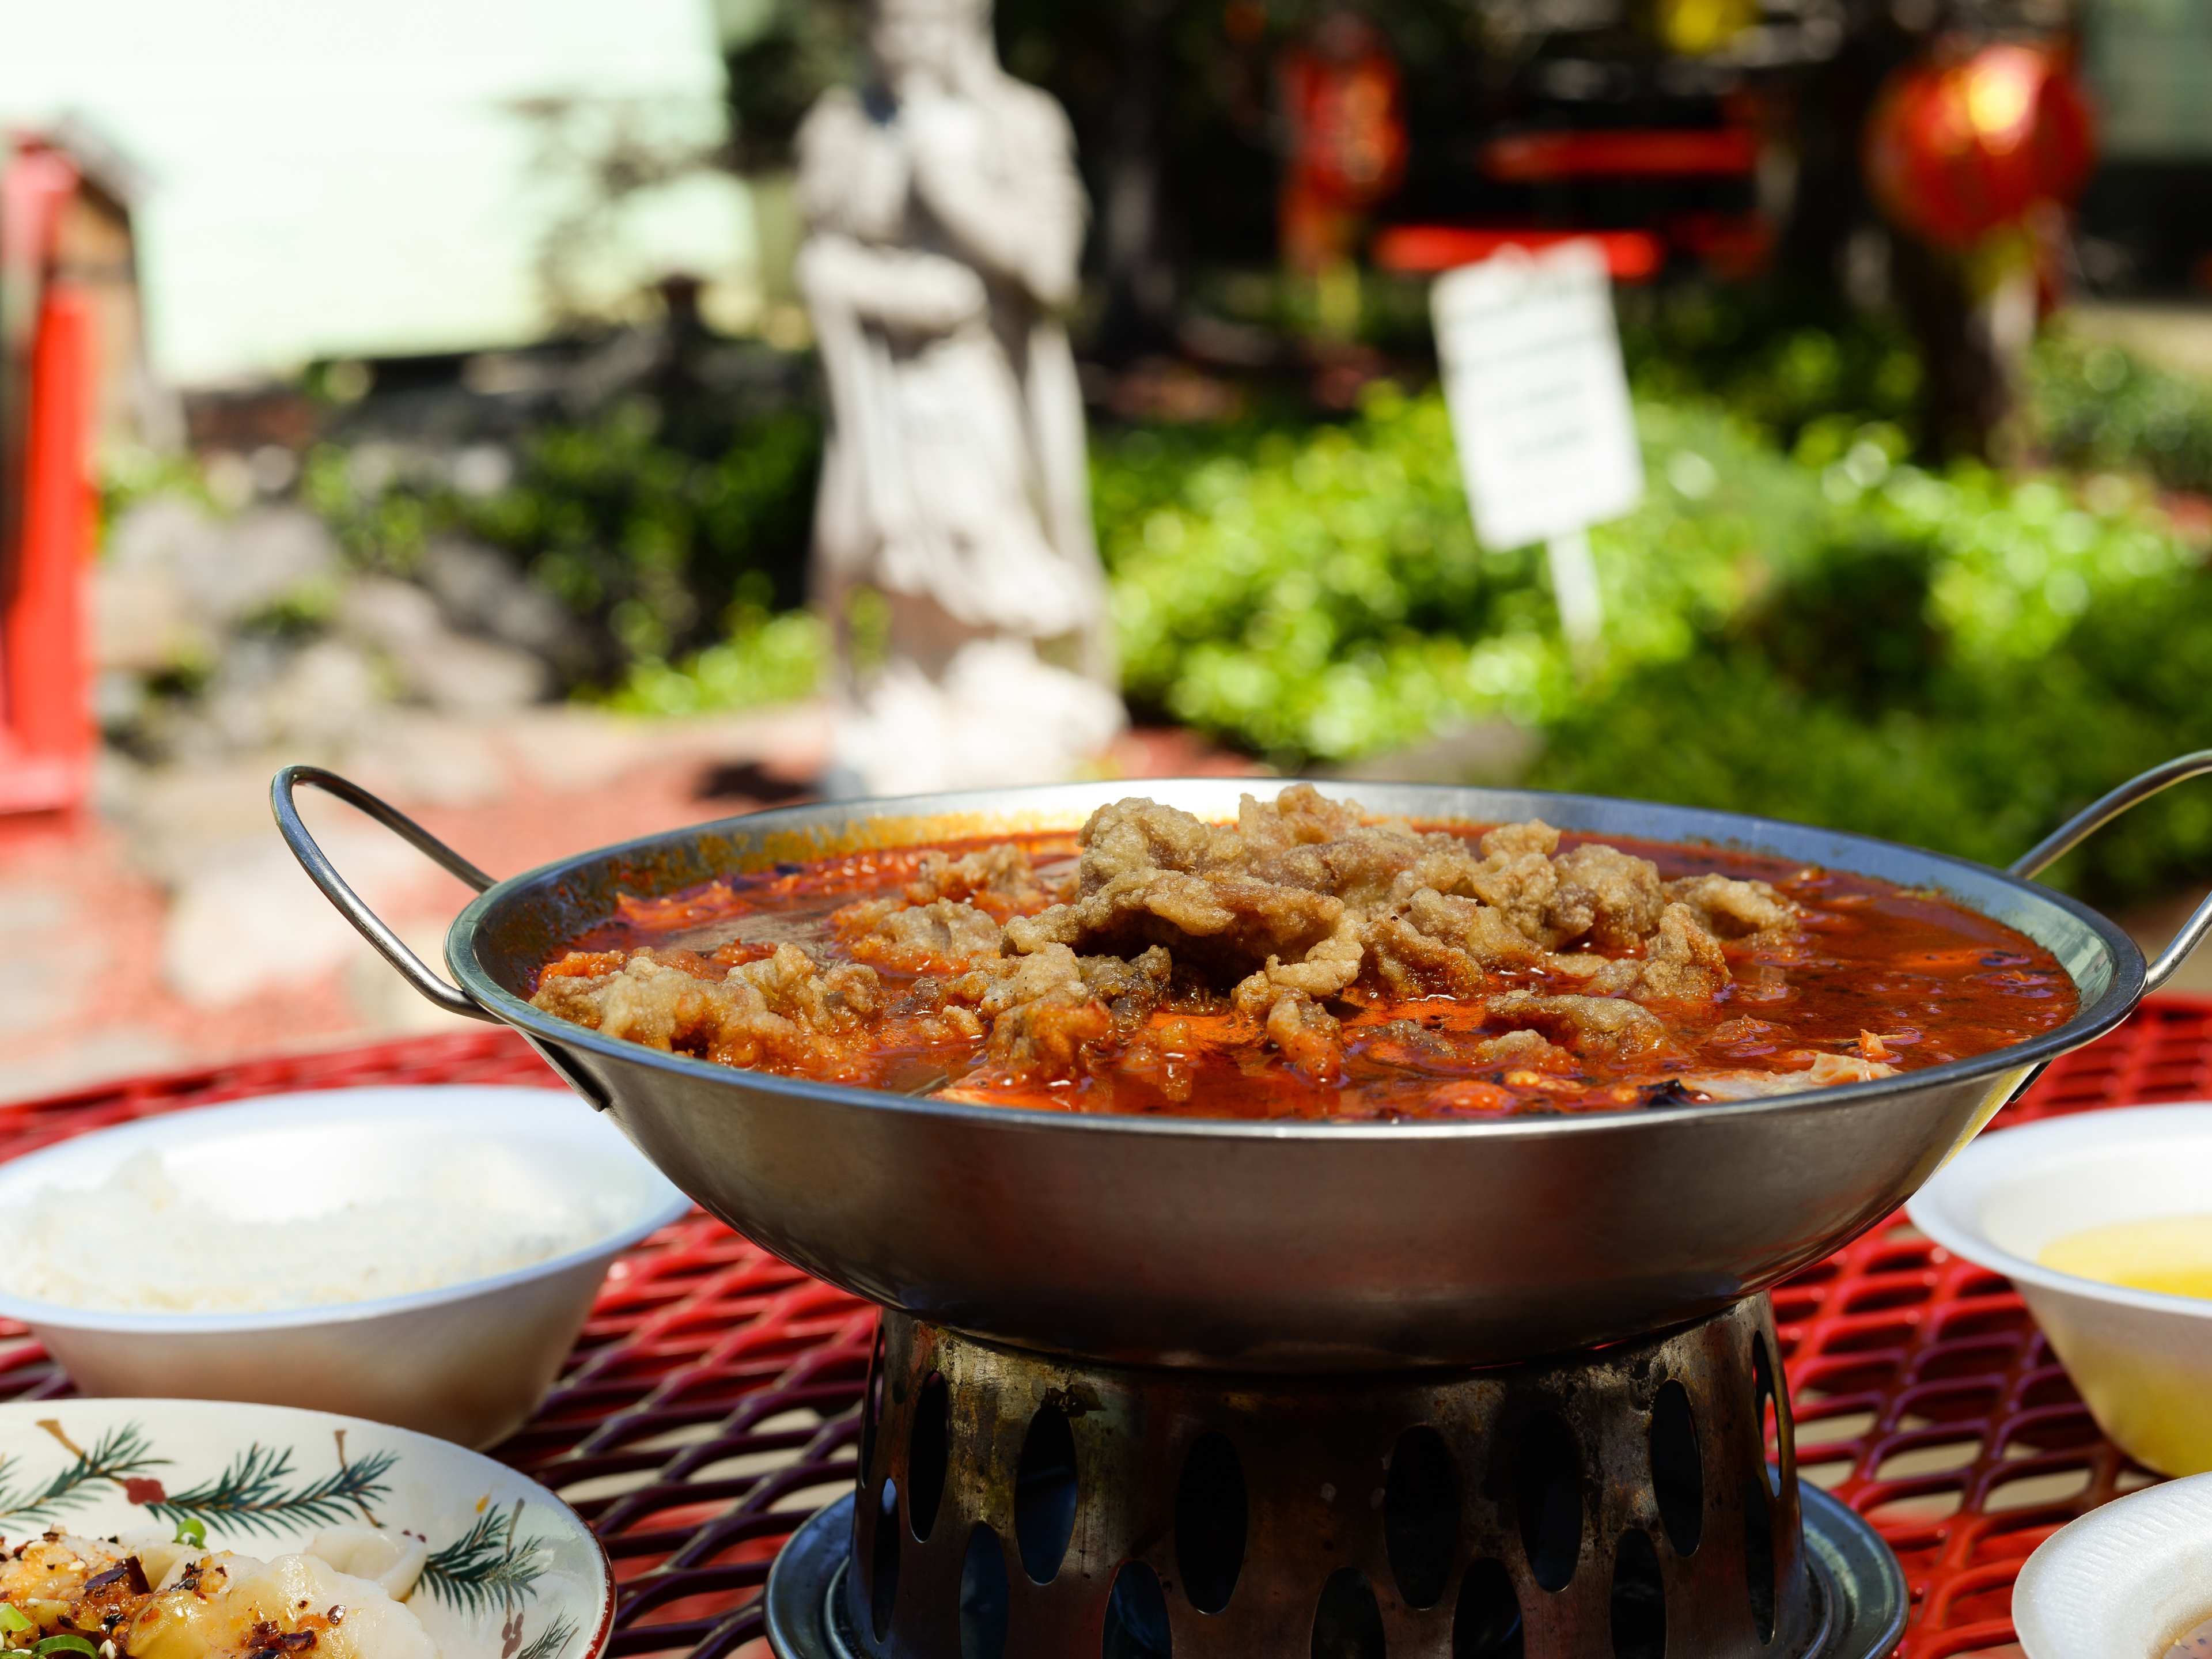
(14, 1618)
(192, 1532)
(66, 1645)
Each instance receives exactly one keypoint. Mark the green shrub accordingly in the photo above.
(764, 659)
(649, 543)
(2097, 405)
(1968, 662)
(617, 525)
(1780, 369)
(1322, 595)
(1954, 659)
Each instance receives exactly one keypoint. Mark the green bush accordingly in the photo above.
(1954, 659)
(662, 548)
(765, 658)
(1798, 622)
(2098, 406)
(1779, 369)
(659, 542)
(1322, 595)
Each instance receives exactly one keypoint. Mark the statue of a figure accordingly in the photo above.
(945, 223)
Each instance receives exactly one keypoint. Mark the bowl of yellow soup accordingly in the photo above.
(2103, 1221)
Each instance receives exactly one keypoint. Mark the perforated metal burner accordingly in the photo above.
(1617, 1505)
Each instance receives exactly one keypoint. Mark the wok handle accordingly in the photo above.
(325, 875)
(2095, 818)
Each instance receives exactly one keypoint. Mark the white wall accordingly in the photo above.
(344, 176)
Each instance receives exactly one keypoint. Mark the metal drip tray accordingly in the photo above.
(1858, 1590)
(1615, 1505)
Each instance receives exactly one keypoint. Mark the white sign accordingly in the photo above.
(1540, 407)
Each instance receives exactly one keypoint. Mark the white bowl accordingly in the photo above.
(2142, 1360)
(517, 1576)
(466, 1361)
(2123, 1582)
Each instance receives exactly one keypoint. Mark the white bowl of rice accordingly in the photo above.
(421, 1256)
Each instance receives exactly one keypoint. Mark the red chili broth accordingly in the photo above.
(1932, 979)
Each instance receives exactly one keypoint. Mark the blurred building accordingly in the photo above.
(412, 176)
(2147, 221)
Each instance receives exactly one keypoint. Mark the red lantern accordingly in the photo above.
(1958, 148)
(1341, 98)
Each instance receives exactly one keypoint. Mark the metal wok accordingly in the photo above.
(1278, 1246)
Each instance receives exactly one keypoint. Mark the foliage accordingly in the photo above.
(131, 473)
(765, 658)
(1322, 595)
(655, 543)
(1955, 659)
(655, 540)
(1981, 765)
(2097, 405)
(1781, 368)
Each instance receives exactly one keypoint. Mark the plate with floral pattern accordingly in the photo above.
(506, 1570)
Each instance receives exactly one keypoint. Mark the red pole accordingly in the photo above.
(45, 718)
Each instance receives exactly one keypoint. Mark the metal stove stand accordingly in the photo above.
(1617, 1505)
(708, 1409)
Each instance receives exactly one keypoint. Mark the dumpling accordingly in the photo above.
(225, 1606)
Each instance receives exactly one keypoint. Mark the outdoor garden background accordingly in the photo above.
(553, 593)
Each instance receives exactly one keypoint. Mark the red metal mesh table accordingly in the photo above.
(708, 1408)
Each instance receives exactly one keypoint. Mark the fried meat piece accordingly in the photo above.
(1516, 875)
(1046, 1007)
(1614, 898)
(1523, 1050)
(999, 880)
(1046, 1035)
(1589, 1025)
(1152, 875)
(783, 1013)
(1682, 962)
(1309, 1036)
(917, 938)
(1482, 931)
(1130, 987)
(1407, 962)
(1735, 910)
(1303, 839)
(1596, 975)
(1609, 897)
(1322, 972)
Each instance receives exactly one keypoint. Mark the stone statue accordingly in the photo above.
(945, 224)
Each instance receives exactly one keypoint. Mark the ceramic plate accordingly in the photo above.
(513, 1573)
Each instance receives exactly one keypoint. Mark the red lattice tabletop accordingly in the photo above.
(708, 1407)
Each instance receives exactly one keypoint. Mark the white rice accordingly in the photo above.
(136, 1244)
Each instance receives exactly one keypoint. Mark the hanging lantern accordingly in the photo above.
(1342, 101)
(1694, 28)
(1960, 147)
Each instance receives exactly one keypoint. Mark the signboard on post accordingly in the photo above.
(1540, 409)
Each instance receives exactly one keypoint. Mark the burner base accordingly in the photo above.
(1616, 1503)
(1858, 1589)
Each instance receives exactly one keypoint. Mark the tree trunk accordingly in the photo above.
(1140, 276)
